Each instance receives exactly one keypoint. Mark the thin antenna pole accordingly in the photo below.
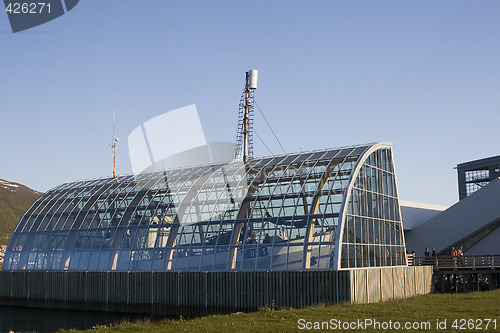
(114, 116)
(114, 141)
(115, 147)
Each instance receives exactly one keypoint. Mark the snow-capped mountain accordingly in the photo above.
(15, 199)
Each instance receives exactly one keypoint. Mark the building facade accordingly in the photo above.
(329, 209)
(474, 175)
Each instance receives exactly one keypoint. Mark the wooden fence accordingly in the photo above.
(200, 293)
(375, 285)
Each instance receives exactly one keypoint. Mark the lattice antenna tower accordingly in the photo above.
(244, 136)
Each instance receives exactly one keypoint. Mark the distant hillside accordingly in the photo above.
(15, 199)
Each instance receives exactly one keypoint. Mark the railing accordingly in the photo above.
(486, 262)
(411, 257)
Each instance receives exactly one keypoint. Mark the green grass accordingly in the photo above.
(428, 308)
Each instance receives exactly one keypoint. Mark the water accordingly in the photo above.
(20, 319)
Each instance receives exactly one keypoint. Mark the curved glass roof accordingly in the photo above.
(328, 209)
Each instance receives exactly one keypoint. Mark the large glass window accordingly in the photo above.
(372, 233)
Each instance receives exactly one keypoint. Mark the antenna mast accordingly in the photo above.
(244, 139)
(114, 146)
(114, 141)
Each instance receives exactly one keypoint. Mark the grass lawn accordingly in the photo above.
(473, 308)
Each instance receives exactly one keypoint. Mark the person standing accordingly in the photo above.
(461, 255)
(427, 253)
(454, 254)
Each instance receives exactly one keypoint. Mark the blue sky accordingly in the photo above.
(424, 75)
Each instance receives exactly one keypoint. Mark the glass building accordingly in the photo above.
(328, 209)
